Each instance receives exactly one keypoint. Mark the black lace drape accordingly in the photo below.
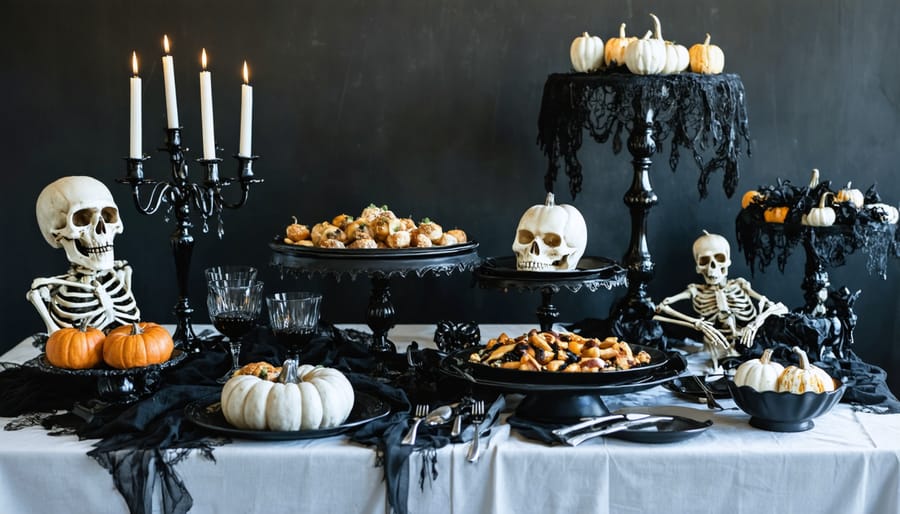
(703, 114)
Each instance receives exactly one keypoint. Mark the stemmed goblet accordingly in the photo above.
(230, 272)
(234, 306)
(294, 317)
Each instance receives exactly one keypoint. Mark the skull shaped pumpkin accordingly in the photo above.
(550, 237)
(79, 214)
(712, 254)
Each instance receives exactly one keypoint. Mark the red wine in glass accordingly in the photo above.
(294, 338)
(234, 324)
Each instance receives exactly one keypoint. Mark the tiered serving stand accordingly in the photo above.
(380, 265)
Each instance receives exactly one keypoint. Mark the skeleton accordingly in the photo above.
(79, 214)
(730, 311)
(550, 237)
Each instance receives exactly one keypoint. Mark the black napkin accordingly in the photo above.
(867, 389)
(539, 431)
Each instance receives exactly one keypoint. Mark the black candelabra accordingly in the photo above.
(184, 197)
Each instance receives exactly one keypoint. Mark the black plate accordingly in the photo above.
(209, 415)
(688, 388)
(505, 267)
(371, 253)
(501, 376)
(679, 429)
(106, 371)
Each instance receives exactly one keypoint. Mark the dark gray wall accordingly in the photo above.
(431, 107)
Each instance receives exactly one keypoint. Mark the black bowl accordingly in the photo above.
(784, 412)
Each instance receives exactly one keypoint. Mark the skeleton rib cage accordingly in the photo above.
(717, 305)
(110, 303)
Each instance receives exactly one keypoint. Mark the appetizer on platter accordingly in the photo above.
(375, 227)
(566, 352)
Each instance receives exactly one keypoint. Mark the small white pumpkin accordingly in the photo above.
(305, 398)
(614, 49)
(849, 194)
(805, 377)
(645, 56)
(586, 53)
(760, 374)
(707, 58)
(677, 57)
(885, 212)
(820, 216)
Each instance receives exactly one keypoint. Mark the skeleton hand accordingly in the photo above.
(749, 334)
(710, 333)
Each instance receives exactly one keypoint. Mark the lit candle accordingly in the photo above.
(169, 78)
(135, 151)
(246, 115)
(206, 111)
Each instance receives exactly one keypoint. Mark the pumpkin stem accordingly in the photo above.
(585, 34)
(622, 31)
(289, 372)
(823, 197)
(657, 26)
(82, 324)
(814, 180)
(766, 357)
(647, 35)
(706, 41)
(804, 359)
(295, 219)
(136, 329)
(550, 201)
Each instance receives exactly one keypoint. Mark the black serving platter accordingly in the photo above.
(679, 429)
(687, 387)
(107, 371)
(501, 376)
(208, 414)
(373, 253)
(505, 267)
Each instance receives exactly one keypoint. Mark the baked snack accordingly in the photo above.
(260, 369)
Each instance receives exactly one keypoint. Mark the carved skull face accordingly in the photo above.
(79, 214)
(550, 237)
(712, 253)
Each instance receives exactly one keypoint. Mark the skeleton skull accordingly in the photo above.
(78, 213)
(550, 237)
(712, 254)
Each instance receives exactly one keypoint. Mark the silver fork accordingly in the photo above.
(419, 414)
(477, 419)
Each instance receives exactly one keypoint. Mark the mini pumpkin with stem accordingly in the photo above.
(137, 345)
(75, 347)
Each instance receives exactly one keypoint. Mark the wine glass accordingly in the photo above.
(233, 307)
(230, 272)
(294, 317)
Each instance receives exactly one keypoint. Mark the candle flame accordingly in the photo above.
(134, 66)
(203, 59)
(246, 74)
(166, 43)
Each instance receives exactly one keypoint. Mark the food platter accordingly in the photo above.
(481, 373)
(372, 253)
(505, 267)
(208, 414)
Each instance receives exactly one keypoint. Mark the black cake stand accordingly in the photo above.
(592, 273)
(380, 265)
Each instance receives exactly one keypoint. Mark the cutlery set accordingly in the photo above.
(468, 410)
(578, 433)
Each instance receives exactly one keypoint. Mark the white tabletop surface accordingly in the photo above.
(848, 463)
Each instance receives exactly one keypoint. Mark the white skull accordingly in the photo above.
(712, 253)
(550, 237)
(79, 214)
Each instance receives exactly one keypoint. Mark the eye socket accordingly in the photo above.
(552, 240)
(720, 257)
(703, 260)
(110, 214)
(83, 217)
(525, 237)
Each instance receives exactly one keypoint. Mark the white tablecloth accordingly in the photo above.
(848, 463)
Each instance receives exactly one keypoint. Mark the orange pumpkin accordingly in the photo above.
(775, 214)
(749, 197)
(137, 345)
(75, 348)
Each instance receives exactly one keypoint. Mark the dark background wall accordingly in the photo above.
(431, 107)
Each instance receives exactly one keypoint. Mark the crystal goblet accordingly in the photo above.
(294, 317)
(234, 306)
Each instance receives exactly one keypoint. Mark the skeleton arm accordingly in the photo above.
(124, 272)
(678, 318)
(766, 308)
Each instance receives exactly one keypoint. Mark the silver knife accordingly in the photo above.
(577, 439)
(588, 423)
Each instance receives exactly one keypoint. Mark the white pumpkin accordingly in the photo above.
(820, 216)
(707, 58)
(586, 53)
(805, 377)
(885, 212)
(850, 194)
(305, 398)
(645, 56)
(677, 58)
(760, 374)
